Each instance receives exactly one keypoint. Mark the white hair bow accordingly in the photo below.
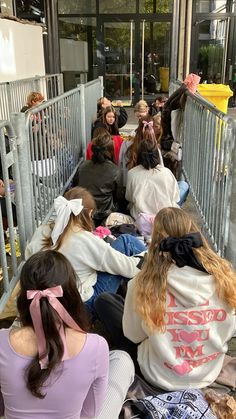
(63, 210)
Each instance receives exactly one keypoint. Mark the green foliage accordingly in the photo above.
(210, 60)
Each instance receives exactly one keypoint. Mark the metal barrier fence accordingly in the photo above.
(46, 146)
(12, 238)
(13, 94)
(90, 92)
(208, 165)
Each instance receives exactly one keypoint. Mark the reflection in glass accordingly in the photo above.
(217, 6)
(155, 6)
(211, 44)
(156, 56)
(117, 6)
(30, 10)
(77, 49)
(118, 51)
(76, 6)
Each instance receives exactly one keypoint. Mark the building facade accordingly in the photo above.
(137, 45)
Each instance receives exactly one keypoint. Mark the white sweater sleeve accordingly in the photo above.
(117, 263)
(36, 243)
(176, 195)
(100, 256)
(132, 323)
(128, 192)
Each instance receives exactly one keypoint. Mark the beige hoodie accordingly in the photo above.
(190, 353)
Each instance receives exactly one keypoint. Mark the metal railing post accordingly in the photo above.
(83, 118)
(230, 248)
(19, 124)
(8, 89)
(60, 84)
(102, 85)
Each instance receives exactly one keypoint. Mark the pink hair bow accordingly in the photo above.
(149, 124)
(51, 294)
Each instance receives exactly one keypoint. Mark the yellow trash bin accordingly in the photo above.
(218, 94)
(164, 78)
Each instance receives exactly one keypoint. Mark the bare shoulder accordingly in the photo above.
(23, 341)
(75, 341)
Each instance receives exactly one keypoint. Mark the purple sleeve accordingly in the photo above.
(96, 394)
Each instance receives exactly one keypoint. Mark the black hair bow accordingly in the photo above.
(181, 251)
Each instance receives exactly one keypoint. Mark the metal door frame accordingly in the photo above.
(138, 65)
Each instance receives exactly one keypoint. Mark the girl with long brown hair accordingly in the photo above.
(99, 266)
(179, 311)
(103, 103)
(48, 365)
(129, 150)
(58, 369)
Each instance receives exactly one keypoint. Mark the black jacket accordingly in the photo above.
(103, 181)
(176, 101)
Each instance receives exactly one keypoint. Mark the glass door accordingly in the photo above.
(155, 58)
(118, 60)
(212, 45)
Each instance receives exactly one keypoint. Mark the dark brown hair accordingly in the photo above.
(83, 220)
(103, 149)
(99, 131)
(148, 154)
(112, 129)
(41, 271)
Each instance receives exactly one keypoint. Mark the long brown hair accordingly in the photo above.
(151, 286)
(41, 271)
(83, 220)
(112, 129)
(142, 133)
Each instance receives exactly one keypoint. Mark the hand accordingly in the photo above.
(2, 188)
(119, 103)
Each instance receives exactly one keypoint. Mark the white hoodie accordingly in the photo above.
(190, 353)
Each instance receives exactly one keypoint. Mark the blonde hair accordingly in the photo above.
(34, 97)
(151, 285)
(83, 220)
(141, 106)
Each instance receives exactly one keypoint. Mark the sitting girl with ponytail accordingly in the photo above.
(150, 186)
(101, 177)
(179, 311)
(128, 153)
(50, 366)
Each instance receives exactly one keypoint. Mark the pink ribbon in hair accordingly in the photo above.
(148, 124)
(51, 294)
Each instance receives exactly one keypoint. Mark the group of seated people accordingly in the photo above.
(171, 327)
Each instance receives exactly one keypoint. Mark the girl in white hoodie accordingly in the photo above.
(179, 312)
(99, 266)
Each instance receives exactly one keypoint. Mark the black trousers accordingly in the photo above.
(110, 308)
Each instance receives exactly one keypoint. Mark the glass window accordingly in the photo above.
(75, 6)
(217, 6)
(117, 6)
(31, 10)
(155, 6)
(77, 37)
(211, 44)
(6, 7)
(118, 56)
